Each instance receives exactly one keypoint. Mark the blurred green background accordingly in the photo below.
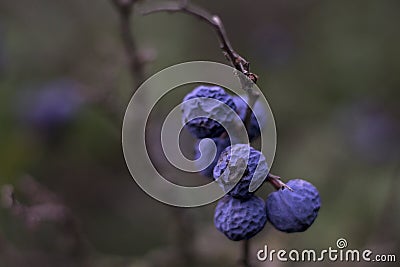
(329, 69)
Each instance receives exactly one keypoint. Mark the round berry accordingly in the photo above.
(53, 105)
(203, 118)
(240, 219)
(221, 144)
(231, 164)
(293, 211)
(254, 129)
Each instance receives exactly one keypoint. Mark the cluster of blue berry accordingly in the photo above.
(241, 214)
(209, 126)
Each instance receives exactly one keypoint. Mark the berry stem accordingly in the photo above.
(276, 182)
(245, 253)
(253, 96)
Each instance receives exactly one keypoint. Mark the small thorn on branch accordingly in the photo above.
(277, 183)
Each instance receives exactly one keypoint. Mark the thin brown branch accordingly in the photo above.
(276, 182)
(253, 97)
(136, 64)
(237, 61)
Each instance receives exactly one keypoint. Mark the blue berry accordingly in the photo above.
(221, 144)
(52, 106)
(207, 125)
(254, 130)
(232, 162)
(293, 211)
(240, 219)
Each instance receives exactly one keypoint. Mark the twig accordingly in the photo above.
(183, 233)
(136, 66)
(215, 22)
(253, 96)
(45, 207)
(183, 230)
(276, 182)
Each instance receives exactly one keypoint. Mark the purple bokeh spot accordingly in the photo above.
(53, 105)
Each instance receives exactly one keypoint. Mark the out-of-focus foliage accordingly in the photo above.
(329, 69)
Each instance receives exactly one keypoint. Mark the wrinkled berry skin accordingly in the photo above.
(205, 127)
(254, 130)
(240, 219)
(242, 188)
(293, 211)
(221, 144)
